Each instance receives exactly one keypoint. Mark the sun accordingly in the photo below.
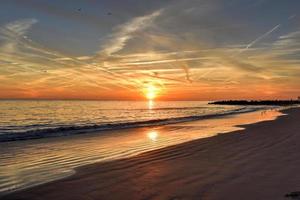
(151, 92)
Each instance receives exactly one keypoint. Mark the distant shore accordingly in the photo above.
(258, 102)
(260, 162)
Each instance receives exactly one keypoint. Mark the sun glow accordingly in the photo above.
(152, 135)
(151, 92)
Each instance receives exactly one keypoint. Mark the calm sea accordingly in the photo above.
(21, 120)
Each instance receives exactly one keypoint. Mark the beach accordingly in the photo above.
(149, 100)
(259, 162)
(49, 150)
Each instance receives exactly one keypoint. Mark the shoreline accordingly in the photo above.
(147, 172)
(73, 130)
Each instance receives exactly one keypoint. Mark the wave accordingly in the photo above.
(72, 130)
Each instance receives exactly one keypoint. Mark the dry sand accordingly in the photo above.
(260, 162)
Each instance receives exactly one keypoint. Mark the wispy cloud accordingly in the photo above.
(292, 17)
(164, 61)
(288, 44)
(15, 31)
(260, 38)
(20, 27)
(123, 33)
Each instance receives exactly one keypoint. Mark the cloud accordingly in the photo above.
(124, 32)
(160, 61)
(15, 31)
(84, 57)
(63, 59)
(288, 46)
(289, 39)
(292, 17)
(20, 27)
(260, 38)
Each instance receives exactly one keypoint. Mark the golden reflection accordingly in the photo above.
(152, 135)
(150, 104)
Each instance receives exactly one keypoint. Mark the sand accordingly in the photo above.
(260, 162)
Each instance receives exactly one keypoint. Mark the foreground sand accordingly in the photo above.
(261, 162)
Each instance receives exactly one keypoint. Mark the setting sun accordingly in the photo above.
(151, 92)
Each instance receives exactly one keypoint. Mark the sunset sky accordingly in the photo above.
(180, 49)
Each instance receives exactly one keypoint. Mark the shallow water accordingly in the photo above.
(31, 162)
(38, 119)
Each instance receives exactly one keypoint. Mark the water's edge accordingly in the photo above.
(74, 130)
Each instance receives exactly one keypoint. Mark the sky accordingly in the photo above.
(121, 49)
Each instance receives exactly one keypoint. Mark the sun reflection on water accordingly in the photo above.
(152, 135)
(150, 104)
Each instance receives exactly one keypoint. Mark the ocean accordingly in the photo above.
(41, 141)
(21, 120)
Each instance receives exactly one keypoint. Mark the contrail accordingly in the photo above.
(260, 38)
(292, 17)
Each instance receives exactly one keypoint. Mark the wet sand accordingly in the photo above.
(260, 162)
